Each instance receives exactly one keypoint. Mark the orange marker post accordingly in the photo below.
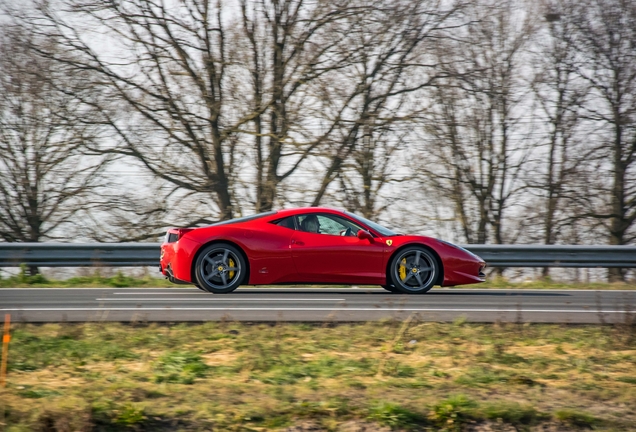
(6, 337)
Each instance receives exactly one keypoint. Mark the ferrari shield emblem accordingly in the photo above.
(389, 242)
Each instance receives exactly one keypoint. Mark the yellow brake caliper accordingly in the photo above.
(231, 264)
(403, 269)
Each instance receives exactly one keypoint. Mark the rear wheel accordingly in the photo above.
(220, 268)
(414, 270)
(390, 288)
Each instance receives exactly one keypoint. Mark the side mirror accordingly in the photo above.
(365, 235)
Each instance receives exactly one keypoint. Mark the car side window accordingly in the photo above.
(309, 223)
(330, 225)
(327, 224)
(288, 222)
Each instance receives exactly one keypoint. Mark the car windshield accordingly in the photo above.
(379, 228)
(243, 219)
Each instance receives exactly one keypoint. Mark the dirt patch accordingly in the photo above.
(220, 358)
(362, 426)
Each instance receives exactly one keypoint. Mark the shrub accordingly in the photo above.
(575, 418)
(627, 379)
(130, 415)
(513, 413)
(451, 413)
(394, 415)
(180, 367)
(34, 393)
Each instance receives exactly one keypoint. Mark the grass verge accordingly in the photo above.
(119, 280)
(548, 283)
(95, 280)
(302, 377)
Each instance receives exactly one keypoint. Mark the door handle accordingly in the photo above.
(298, 242)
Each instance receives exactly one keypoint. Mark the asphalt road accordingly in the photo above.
(323, 304)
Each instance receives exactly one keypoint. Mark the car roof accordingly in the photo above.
(280, 214)
(304, 210)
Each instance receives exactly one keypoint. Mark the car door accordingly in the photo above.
(270, 254)
(334, 253)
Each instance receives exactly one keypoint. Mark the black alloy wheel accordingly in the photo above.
(220, 268)
(414, 270)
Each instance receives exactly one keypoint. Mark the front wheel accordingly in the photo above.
(414, 270)
(220, 268)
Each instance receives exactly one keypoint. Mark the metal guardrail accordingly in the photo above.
(147, 254)
(556, 255)
(79, 254)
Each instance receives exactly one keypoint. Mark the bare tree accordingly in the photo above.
(373, 98)
(288, 44)
(185, 85)
(46, 182)
(162, 73)
(372, 168)
(560, 95)
(227, 107)
(475, 145)
(606, 43)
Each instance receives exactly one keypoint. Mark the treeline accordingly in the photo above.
(487, 121)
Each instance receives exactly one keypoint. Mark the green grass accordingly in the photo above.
(95, 280)
(233, 376)
(548, 283)
(179, 367)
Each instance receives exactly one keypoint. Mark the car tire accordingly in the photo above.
(414, 270)
(220, 268)
(390, 288)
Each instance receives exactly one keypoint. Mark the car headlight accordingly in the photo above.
(459, 247)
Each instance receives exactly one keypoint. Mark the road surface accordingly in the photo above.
(315, 305)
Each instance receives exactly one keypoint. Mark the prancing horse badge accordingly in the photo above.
(389, 242)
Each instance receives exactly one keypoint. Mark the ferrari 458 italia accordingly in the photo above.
(313, 245)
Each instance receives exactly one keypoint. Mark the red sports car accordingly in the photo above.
(313, 245)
